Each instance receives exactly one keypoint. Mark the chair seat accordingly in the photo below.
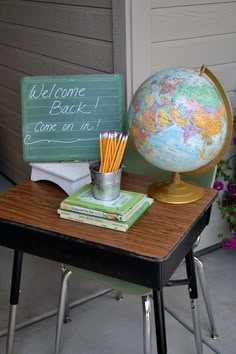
(114, 283)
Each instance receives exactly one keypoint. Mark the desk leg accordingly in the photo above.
(160, 321)
(14, 299)
(193, 294)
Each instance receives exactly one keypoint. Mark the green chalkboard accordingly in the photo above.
(63, 115)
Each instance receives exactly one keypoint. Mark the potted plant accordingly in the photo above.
(226, 184)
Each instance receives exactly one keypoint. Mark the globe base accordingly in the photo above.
(175, 191)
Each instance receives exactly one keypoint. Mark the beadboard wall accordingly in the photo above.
(181, 33)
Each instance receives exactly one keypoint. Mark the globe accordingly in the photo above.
(180, 121)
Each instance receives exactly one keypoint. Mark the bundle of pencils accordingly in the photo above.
(112, 146)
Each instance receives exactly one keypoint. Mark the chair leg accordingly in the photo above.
(61, 308)
(206, 295)
(67, 318)
(14, 299)
(146, 303)
(11, 329)
(196, 326)
(193, 294)
(118, 295)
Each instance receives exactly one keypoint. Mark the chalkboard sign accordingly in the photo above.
(63, 115)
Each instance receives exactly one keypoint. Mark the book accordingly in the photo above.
(103, 222)
(104, 214)
(84, 198)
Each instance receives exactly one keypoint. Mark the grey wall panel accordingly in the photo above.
(11, 138)
(16, 171)
(87, 22)
(93, 3)
(10, 78)
(10, 99)
(10, 119)
(46, 38)
(77, 50)
(29, 63)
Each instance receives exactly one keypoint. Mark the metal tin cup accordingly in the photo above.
(105, 185)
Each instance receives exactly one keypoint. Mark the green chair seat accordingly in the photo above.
(114, 283)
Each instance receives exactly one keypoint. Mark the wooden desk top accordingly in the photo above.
(155, 234)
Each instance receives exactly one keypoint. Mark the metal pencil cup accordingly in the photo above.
(105, 185)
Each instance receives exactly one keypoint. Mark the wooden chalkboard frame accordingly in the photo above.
(63, 115)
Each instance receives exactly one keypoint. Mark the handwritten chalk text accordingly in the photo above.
(57, 108)
(38, 91)
(41, 127)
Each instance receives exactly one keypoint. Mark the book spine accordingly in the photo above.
(111, 224)
(92, 212)
(93, 221)
(140, 211)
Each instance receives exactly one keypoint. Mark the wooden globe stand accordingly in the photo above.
(175, 191)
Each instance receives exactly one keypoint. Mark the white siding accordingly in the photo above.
(183, 33)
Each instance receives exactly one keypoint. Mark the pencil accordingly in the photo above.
(109, 157)
(101, 150)
(116, 164)
(112, 146)
(106, 158)
(116, 151)
(120, 153)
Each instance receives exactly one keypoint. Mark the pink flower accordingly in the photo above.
(231, 243)
(234, 139)
(232, 190)
(218, 185)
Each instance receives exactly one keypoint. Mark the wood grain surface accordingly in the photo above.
(154, 234)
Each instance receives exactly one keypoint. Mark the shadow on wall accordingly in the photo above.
(135, 163)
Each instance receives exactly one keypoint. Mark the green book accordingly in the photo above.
(104, 214)
(84, 198)
(103, 222)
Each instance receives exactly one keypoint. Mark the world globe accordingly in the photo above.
(180, 121)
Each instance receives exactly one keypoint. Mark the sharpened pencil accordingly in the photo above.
(120, 153)
(112, 146)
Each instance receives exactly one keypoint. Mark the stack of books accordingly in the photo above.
(119, 214)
